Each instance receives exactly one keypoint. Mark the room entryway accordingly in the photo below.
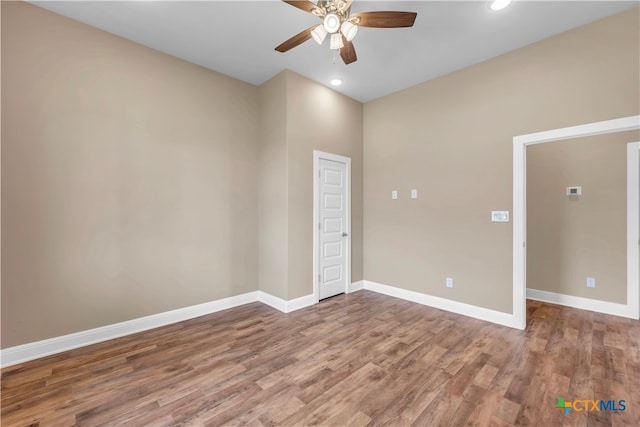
(520, 292)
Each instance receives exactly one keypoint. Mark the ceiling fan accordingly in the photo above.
(342, 25)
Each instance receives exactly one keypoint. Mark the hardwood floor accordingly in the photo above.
(357, 359)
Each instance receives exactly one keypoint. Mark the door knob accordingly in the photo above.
(344, 234)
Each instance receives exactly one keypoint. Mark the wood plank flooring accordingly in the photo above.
(357, 359)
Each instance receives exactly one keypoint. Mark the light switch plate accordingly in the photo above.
(414, 194)
(394, 194)
(499, 216)
(574, 191)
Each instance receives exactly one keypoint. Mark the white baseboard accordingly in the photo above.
(35, 350)
(270, 300)
(355, 286)
(505, 319)
(284, 305)
(298, 303)
(622, 310)
(23, 353)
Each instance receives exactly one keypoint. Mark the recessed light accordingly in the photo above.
(336, 82)
(500, 4)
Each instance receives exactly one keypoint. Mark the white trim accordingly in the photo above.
(284, 305)
(633, 229)
(301, 302)
(317, 155)
(580, 131)
(469, 310)
(520, 194)
(22, 353)
(272, 301)
(356, 286)
(519, 236)
(35, 350)
(606, 307)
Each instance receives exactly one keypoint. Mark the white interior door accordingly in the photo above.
(333, 229)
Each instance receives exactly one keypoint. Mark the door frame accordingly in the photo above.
(633, 230)
(317, 156)
(520, 143)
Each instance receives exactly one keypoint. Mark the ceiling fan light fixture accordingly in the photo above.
(338, 21)
(331, 23)
(348, 30)
(336, 41)
(500, 4)
(319, 34)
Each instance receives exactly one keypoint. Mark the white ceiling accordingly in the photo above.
(237, 38)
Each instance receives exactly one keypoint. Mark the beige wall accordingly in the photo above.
(272, 194)
(128, 179)
(572, 238)
(451, 138)
(318, 119)
(300, 116)
(134, 183)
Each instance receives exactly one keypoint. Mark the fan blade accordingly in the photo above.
(385, 19)
(305, 5)
(296, 40)
(348, 52)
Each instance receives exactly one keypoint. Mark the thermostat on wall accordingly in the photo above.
(574, 191)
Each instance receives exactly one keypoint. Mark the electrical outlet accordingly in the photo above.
(591, 282)
(449, 282)
(414, 194)
(394, 194)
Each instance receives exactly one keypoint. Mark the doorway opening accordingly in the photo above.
(632, 307)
